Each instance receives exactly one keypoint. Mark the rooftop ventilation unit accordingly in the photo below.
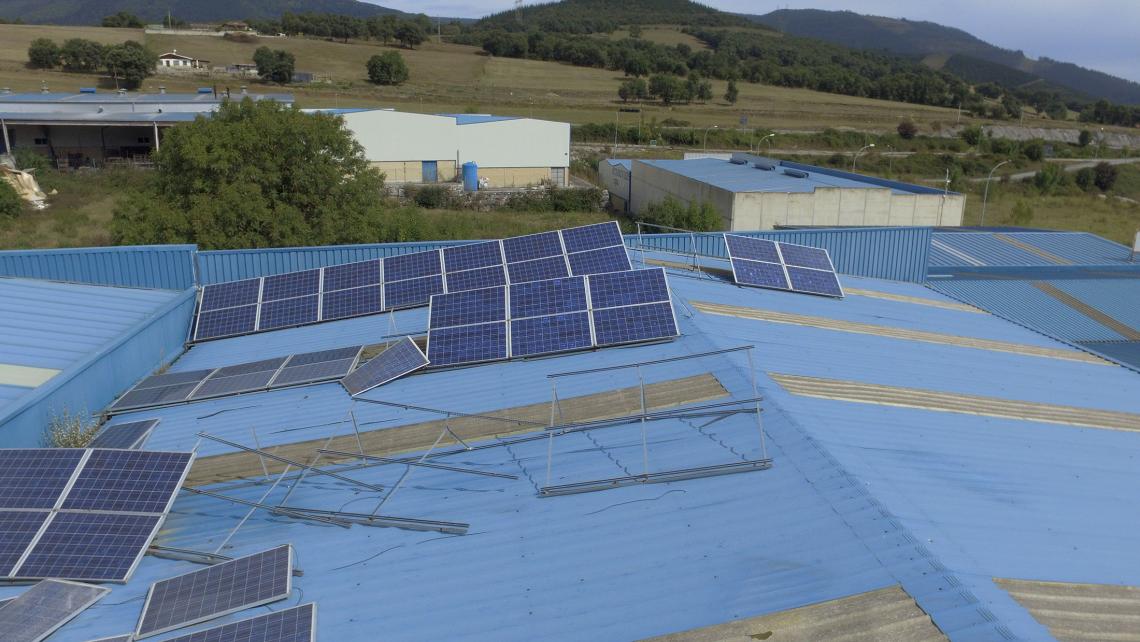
(759, 162)
(795, 173)
(738, 159)
(764, 164)
(86, 90)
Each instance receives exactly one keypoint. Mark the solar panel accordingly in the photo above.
(615, 326)
(472, 255)
(744, 247)
(290, 285)
(342, 304)
(412, 266)
(592, 237)
(224, 386)
(285, 313)
(814, 281)
(628, 288)
(229, 295)
(39, 611)
(467, 344)
(226, 322)
(399, 359)
(312, 373)
(411, 293)
(218, 590)
(768, 275)
(609, 259)
(148, 397)
(128, 481)
(467, 308)
(554, 296)
(297, 624)
(173, 378)
(532, 246)
(550, 334)
(35, 477)
(487, 277)
(320, 356)
(17, 530)
(782, 266)
(115, 638)
(352, 275)
(805, 256)
(127, 436)
(5, 601)
(101, 547)
(539, 270)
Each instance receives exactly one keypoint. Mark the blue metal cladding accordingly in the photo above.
(893, 253)
(167, 267)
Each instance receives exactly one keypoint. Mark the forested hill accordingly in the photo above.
(91, 12)
(601, 16)
(921, 38)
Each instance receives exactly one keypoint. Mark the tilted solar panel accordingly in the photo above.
(487, 277)
(321, 356)
(352, 275)
(226, 322)
(472, 256)
(102, 547)
(312, 373)
(768, 275)
(297, 624)
(532, 246)
(537, 270)
(805, 256)
(225, 386)
(745, 247)
(782, 266)
(291, 285)
(632, 324)
(555, 296)
(814, 281)
(412, 292)
(469, 307)
(17, 530)
(592, 237)
(467, 344)
(173, 378)
(628, 288)
(412, 266)
(285, 313)
(128, 436)
(128, 481)
(39, 611)
(550, 334)
(35, 477)
(399, 359)
(218, 590)
(229, 295)
(609, 259)
(343, 304)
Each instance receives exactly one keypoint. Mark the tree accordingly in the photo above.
(732, 93)
(1034, 150)
(696, 88)
(1105, 176)
(635, 31)
(383, 27)
(387, 68)
(1084, 138)
(1022, 214)
(633, 89)
(636, 66)
(130, 62)
(81, 55)
(973, 135)
(410, 34)
(10, 203)
(907, 129)
(274, 65)
(43, 53)
(1085, 178)
(1049, 178)
(257, 174)
(123, 19)
(666, 87)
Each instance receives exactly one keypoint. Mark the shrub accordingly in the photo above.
(43, 54)
(907, 129)
(696, 216)
(241, 38)
(432, 197)
(68, 430)
(1104, 176)
(1049, 178)
(1084, 138)
(557, 199)
(1034, 150)
(1022, 214)
(973, 135)
(387, 68)
(10, 203)
(1085, 178)
(30, 160)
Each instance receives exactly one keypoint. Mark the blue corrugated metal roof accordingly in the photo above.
(142, 118)
(745, 178)
(1118, 298)
(860, 497)
(477, 119)
(994, 249)
(128, 98)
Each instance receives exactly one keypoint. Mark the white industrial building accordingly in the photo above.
(756, 193)
(426, 148)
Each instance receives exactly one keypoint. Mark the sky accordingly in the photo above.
(1098, 34)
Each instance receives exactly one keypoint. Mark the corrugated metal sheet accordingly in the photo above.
(995, 249)
(895, 253)
(1126, 352)
(1118, 298)
(169, 267)
(1081, 612)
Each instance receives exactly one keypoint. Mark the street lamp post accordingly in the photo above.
(890, 160)
(861, 150)
(706, 145)
(986, 193)
(767, 137)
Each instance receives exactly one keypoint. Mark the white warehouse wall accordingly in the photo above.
(521, 142)
(402, 136)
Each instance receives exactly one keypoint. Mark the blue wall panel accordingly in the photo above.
(219, 266)
(168, 267)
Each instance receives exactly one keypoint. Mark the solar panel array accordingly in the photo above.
(296, 624)
(127, 436)
(268, 374)
(218, 590)
(550, 316)
(782, 266)
(83, 514)
(409, 280)
(398, 360)
(37, 612)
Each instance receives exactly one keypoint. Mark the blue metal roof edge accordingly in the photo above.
(21, 417)
(119, 266)
(852, 176)
(1037, 272)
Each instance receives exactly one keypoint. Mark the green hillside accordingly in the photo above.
(91, 12)
(603, 16)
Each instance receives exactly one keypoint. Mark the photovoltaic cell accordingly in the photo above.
(39, 611)
(467, 308)
(312, 373)
(615, 326)
(342, 304)
(628, 288)
(90, 546)
(229, 295)
(539, 270)
(334, 354)
(532, 246)
(804, 256)
(592, 237)
(145, 397)
(224, 386)
(127, 436)
(550, 334)
(768, 275)
(411, 266)
(744, 247)
(814, 281)
(609, 259)
(467, 344)
(488, 277)
(226, 322)
(782, 266)
(249, 367)
(173, 378)
(218, 590)
(35, 477)
(128, 481)
(554, 296)
(410, 293)
(352, 275)
(17, 529)
(290, 285)
(288, 312)
(399, 359)
(472, 255)
(297, 624)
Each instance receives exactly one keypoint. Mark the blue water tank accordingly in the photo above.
(470, 177)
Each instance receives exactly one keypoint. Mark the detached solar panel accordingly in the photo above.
(297, 624)
(245, 377)
(311, 367)
(42, 609)
(399, 359)
(782, 266)
(218, 590)
(126, 436)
